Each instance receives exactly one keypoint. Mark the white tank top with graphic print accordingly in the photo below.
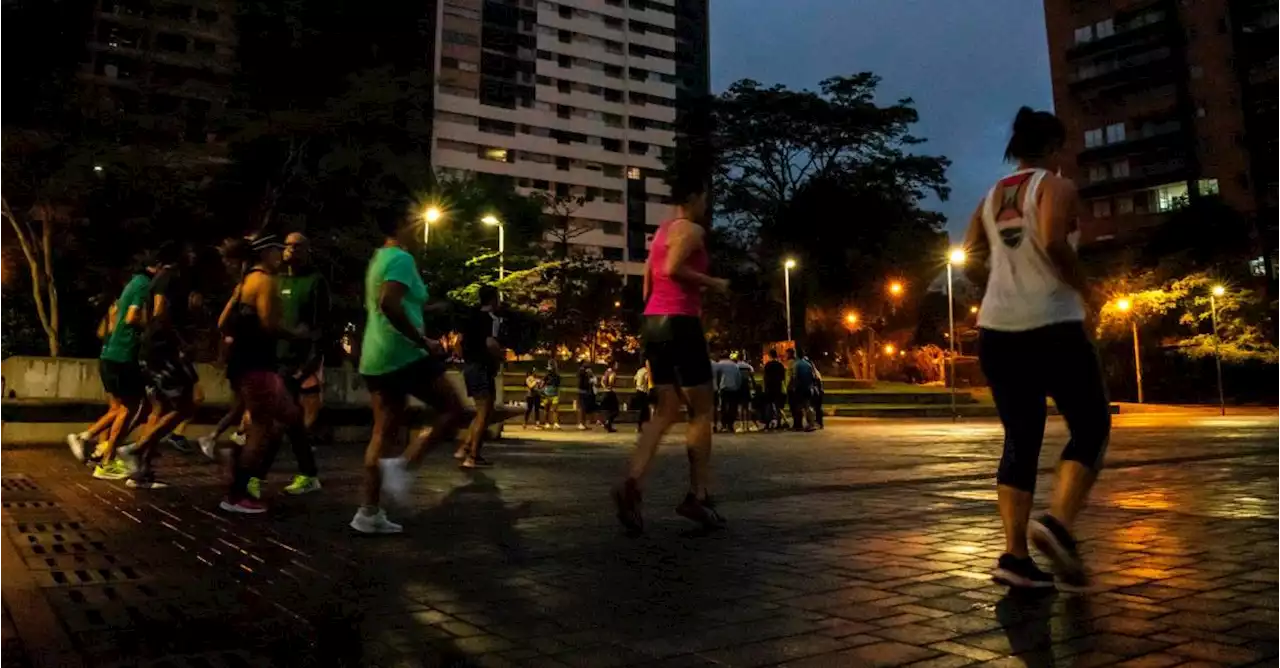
(1024, 290)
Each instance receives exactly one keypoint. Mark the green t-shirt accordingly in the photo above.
(122, 343)
(384, 348)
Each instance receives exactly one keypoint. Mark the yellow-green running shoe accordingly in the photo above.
(255, 488)
(113, 470)
(303, 484)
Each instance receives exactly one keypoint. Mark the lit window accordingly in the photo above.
(1208, 186)
(1170, 197)
(633, 173)
(1120, 170)
(1124, 205)
(1093, 138)
(1084, 34)
(1097, 173)
(496, 154)
(1105, 28)
(1102, 208)
(1115, 133)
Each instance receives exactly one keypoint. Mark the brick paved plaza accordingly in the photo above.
(865, 545)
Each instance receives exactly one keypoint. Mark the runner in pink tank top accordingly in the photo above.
(680, 365)
(667, 296)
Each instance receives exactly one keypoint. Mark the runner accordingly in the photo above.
(122, 378)
(252, 320)
(532, 399)
(640, 401)
(586, 394)
(1024, 232)
(483, 353)
(676, 348)
(398, 360)
(304, 301)
(171, 377)
(609, 401)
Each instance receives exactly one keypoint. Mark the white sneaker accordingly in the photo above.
(128, 454)
(238, 438)
(375, 523)
(582, 427)
(461, 452)
(208, 447)
(395, 479)
(76, 443)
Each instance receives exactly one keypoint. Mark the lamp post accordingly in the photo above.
(492, 220)
(954, 259)
(431, 217)
(787, 266)
(895, 292)
(1217, 291)
(1125, 306)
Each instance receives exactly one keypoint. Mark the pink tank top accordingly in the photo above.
(668, 296)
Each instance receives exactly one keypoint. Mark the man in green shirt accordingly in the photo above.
(122, 378)
(398, 360)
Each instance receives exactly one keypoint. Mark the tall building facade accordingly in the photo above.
(1166, 101)
(576, 98)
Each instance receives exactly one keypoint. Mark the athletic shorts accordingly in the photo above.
(170, 379)
(122, 379)
(481, 380)
(416, 379)
(676, 350)
(265, 397)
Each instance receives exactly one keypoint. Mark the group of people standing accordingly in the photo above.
(597, 397)
(797, 385)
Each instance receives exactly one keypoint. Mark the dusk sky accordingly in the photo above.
(969, 65)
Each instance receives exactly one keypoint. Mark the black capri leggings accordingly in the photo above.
(1026, 368)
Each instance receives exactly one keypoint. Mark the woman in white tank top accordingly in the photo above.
(1034, 345)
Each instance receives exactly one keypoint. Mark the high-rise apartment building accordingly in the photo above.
(160, 71)
(1165, 101)
(579, 98)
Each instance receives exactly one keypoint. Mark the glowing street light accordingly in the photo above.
(1216, 292)
(889, 349)
(895, 288)
(851, 318)
(973, 309)
(492, 221)
(954, 259)
(787, 266)
(1124, 306)
(430, 217)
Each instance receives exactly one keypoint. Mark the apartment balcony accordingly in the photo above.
(1139, 178)
(1144, 70)
(1165, 32)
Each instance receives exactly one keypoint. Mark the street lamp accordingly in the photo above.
(889, 349)
(851, 319)
(493, 221)
(954, 259)
(973, 309)
(1217, 291)
(431, 217)
(787, 266)
(1124, 305)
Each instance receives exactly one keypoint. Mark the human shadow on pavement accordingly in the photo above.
(1045, 629)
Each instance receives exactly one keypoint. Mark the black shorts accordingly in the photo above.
(417, 379)
(122, 380)
(170, 379)
(676, 349)
(481, 380)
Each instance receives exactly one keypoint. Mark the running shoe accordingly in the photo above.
(374, 522)
(244, 506)
(113, 470)
(254, 488)
(395, 479)
(626, 498)
(146, 480)
(582, 427)
(129, 456)
(180, 443)
(703, 512)
(1056, 542)
(303, 484)
(208, 447)
(476, 463)
(1020, 573)
(460, 453)
(77, 442)
(238, 438)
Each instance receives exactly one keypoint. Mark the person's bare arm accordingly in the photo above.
(648, 278)
(977, 247)
(1059, 206)
(391, 303)
(683, 238)
(226, 310)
